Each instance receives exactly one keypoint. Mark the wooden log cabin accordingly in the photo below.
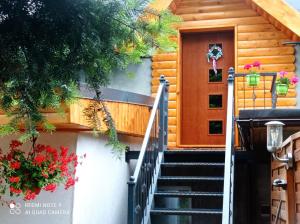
(217, 168)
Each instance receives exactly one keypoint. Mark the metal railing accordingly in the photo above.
(264, 93)
(141, 184)
(228, 190)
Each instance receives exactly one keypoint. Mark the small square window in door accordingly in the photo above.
(213, 77)
(215, 101)
(215, 127)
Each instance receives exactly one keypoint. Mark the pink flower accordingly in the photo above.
(294, 80)
(282, 74)
(256, 64)
(247, 66)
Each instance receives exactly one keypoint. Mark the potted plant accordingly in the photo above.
(253, 76)
(26, 174)
(283, 83)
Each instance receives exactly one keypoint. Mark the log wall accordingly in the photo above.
(290, 208)
(256, 39)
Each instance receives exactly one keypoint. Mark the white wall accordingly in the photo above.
(45, 207)
(101, 193)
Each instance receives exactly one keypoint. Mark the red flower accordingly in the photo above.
(29, 195)
(37, 190)
(70, 183)
(247, 66)
(14, 179)
(63, 151)
(50, 187)
(256, 64)
(15, 191)
(39, 159)
(15, 165)
(15, 144)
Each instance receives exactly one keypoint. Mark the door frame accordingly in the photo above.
(182, 30)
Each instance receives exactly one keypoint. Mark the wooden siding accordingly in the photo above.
(255, 39)
(131, 119)
(290, 209)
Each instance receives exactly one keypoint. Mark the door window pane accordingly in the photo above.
(215, 127)
(213, 77)
(215, 101)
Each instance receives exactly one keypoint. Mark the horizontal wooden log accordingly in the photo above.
(172, 121)
(266, 51)
(261, 36)
(172, 112)
(218, 15)
(171, 144)
(172, 81)
(271, 68)
(211, 8)
(256, 28)
(172, 129)
(260, 43)
(260, 102)
(165, 57)
(261, 94)
(166, 72)
(172, 88)
(172, 96)
(261, 86)
(172, 137)
(264, 78)
(222, 22)
(207, 2)
(282, 59)
(164, 65)
(172, 105)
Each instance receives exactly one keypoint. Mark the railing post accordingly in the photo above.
(161, 122)
(131, 201)
(229, 152)
(166, 103)
(274, 95)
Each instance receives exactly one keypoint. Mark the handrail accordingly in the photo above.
(141, 183)
(227, 217)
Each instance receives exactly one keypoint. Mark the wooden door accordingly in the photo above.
(203, 93)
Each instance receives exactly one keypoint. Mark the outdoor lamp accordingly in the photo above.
(274, 142)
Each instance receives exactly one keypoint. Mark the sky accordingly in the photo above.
(294, 3)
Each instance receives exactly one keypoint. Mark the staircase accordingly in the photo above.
(189, 188)
(182, 186)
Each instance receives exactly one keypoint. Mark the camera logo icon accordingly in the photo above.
(15, 208)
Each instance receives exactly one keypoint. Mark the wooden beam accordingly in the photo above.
(281, 12)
